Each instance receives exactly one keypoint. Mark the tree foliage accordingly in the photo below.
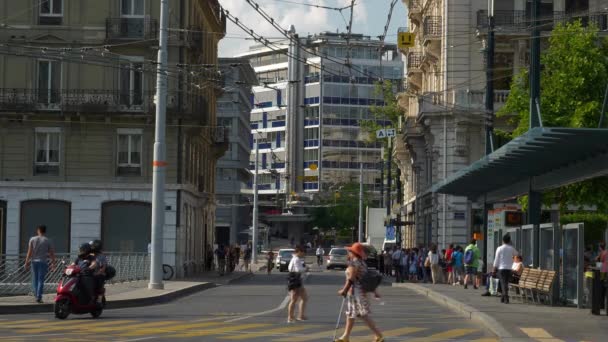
(573, 81)
(342, 209)
(389, 111)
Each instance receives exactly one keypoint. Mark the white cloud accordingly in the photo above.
(307, 20)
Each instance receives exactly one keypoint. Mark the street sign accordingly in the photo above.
(386, 133)
(313, 167)
(390, 233)
(405, 40)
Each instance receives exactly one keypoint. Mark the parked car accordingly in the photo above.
(338, 257)
(283, 258)
(372, 256)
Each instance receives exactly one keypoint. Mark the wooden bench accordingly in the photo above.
(544, 288)
(523, 277)
(529, 285)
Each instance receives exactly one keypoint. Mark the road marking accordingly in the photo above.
(170, 329)
(540, 334)
(67, 325)
(218, 331)
(282, 306)
(133, 327)
(270, 332)
(486, 339)
(390, 333)
(442, 336)
(21, 337)
(310, 337)
(27, 321)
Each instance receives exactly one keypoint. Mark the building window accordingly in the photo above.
(132, 8)
(129, 152)
(49, 81)
(51, 12)
(48, 147)
(131, 84)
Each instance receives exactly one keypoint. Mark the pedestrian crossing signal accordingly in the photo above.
(406, 40)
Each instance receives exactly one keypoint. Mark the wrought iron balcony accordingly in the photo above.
(95, 101)
(414, 61)
(131, 29)
(514, 21)
(432, 27)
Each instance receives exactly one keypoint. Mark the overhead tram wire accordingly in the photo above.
(313, 5)
(285, 33)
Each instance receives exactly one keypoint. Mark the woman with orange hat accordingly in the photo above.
(356, 298)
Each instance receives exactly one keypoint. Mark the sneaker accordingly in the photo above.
(39, 300)
(290, 321)
(486, 294)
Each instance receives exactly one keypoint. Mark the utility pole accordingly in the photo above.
(534, 197)
(361, 201)
(489, 115)
(389, 178)
(254, 237)
(159, 163)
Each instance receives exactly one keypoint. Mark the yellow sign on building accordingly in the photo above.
(405, 40)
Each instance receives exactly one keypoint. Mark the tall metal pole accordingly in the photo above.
(361, 201)
(159, 164)
(254, 237)
(489, 114)
(534, 197)
(389, 178)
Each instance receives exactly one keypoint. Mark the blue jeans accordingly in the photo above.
(39, 270)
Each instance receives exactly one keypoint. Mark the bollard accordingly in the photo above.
(597, 299)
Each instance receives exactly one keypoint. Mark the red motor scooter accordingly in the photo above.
(70, 297)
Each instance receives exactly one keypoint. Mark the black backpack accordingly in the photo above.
(370, 280)
(110, 272)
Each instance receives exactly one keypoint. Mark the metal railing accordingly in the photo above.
(432, 27)
(131, 28)
(522, 20)
(96, 101)
(414, 60)
(16, 278)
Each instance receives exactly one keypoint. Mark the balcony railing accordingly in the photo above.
(432, 27)
(509, 21)
(131, 29)
(457, 100)
(414, 60)
(94, 101)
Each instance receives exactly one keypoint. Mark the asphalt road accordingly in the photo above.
(252, 310)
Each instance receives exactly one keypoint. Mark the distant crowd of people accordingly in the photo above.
(228, 258)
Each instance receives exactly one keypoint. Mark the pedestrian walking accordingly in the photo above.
(403, 265)
(247, 257)
(471, 263)
(220, 254)
(358, 304)
(397, 264)
(433, 262)
(503, 265)
(39, 250)
(413, 265)
(449, 263)
(388, 262)
(458, 266)
(269, 262)
(295, 286)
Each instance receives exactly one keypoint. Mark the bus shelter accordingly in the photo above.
(542, 159)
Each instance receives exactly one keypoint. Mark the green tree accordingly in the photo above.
(390, 111)
(573, 80)
(340, 209)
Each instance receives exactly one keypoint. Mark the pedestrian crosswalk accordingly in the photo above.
(134, 330)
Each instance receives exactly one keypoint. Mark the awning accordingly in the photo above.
(541, 159)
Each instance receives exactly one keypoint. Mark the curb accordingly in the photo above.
(465, 310)
(118, 304)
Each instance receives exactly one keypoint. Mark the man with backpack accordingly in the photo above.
(471, 263)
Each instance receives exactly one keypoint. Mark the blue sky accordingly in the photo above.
(369, 18)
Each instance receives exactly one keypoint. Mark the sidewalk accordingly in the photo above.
(517, 321)
(130, 294)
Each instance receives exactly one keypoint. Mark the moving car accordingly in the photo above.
(372, 256)
(338, 257)
(283, 258)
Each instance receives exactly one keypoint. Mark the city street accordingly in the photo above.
(252, 310)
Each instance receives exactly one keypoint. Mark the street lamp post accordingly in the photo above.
(254, 238)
